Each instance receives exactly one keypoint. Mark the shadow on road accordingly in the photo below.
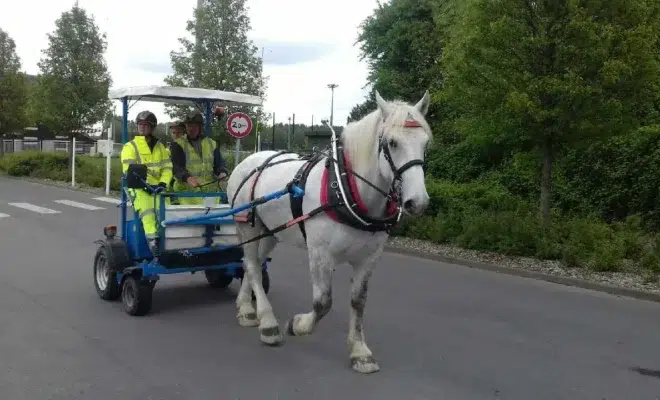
(176, 298)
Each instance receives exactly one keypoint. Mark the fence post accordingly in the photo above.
(73, 163)
(108, 151)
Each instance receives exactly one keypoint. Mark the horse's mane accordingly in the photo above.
(360, 137)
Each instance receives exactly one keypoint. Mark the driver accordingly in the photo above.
(197, 161)
(145, 148)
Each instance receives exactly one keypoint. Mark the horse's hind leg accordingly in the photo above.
(247, 315)
(362, 359)
(321, 265)
(268, 326)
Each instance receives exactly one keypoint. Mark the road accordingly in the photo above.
(440, 331)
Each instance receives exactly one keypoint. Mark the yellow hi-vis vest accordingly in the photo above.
(158, 162)
(198, 165)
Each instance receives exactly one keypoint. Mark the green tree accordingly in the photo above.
(402, 44)
(13, 97)
(546, 76)
(72, 89)
(221, 57)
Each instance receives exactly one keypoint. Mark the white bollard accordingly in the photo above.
(109, 146)
(108, 165)
(73, 164)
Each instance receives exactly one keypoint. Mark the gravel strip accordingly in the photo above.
(628, 280)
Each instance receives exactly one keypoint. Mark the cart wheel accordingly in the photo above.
(218, 279)
(105, 281)
(136, 295)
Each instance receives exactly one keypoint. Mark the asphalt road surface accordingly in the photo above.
(439, 331)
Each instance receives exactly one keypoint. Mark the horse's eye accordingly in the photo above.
(392, 143)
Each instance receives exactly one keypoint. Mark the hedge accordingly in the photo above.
(479, 215)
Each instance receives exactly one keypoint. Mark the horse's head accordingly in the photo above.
(403, 138)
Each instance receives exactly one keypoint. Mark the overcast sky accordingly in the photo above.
(308, 44)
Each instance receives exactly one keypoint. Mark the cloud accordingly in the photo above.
(307, 44)
(291, 53)
(152, 66)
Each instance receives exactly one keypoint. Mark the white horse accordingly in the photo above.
(388, 143)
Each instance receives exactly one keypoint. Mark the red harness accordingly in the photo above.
(391, 204)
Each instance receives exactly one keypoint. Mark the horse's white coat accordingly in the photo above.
(330, 243)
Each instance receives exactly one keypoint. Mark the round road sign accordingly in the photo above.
(239, 125)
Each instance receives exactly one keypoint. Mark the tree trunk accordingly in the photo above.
(546, 182)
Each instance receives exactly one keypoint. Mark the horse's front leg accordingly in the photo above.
(321, 265)
(268, 325)
(362, 359)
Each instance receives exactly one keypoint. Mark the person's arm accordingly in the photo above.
(178, 158)
(127, 157)
(219, 163)
(166, 168)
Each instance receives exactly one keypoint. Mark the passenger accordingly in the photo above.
(197, 161)
(146, 149)
(177, 130)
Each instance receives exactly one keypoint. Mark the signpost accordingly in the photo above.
(239, 125)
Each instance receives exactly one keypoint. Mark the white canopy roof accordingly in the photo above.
(182, 95)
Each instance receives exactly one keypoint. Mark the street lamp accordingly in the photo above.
(332, 87)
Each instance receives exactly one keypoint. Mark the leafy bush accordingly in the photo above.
(484, 216)
(55, 166)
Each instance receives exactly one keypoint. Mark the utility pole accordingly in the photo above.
(288, 135)
(272, 145)
(293, 129)
(332, 87)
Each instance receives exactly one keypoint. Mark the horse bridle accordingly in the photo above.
(398, 172)
(395, 186)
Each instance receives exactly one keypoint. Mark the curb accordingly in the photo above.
(561, 280)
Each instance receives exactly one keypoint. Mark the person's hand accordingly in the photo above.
(193, 181)
(222, 175)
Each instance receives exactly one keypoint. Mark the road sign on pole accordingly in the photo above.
(239, 125)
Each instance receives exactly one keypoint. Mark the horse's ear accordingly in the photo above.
(382, 105)
(423, 105)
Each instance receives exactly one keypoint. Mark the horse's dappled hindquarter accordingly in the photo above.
(373, 174)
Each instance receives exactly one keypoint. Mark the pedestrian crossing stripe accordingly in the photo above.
(79, 205)
(2, 215)
(32, 207)
(108, 200)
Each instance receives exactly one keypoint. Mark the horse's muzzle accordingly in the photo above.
(416, 206)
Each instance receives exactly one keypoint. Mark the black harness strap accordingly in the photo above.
(301, 180)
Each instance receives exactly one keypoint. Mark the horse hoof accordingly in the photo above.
(248, 320)
(271, 336)
(365, 365)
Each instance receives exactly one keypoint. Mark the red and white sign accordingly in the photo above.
(239, 125)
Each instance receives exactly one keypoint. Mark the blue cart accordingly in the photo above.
(191, 238)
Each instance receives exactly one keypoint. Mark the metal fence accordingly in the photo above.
(84, 148)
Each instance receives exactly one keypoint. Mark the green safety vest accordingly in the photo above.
(198, 165)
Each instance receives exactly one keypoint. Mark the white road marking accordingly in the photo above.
(79, 205)
(108, 200)
(4, 215)
(32, 207)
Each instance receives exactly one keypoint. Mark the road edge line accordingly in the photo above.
(561, 280)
